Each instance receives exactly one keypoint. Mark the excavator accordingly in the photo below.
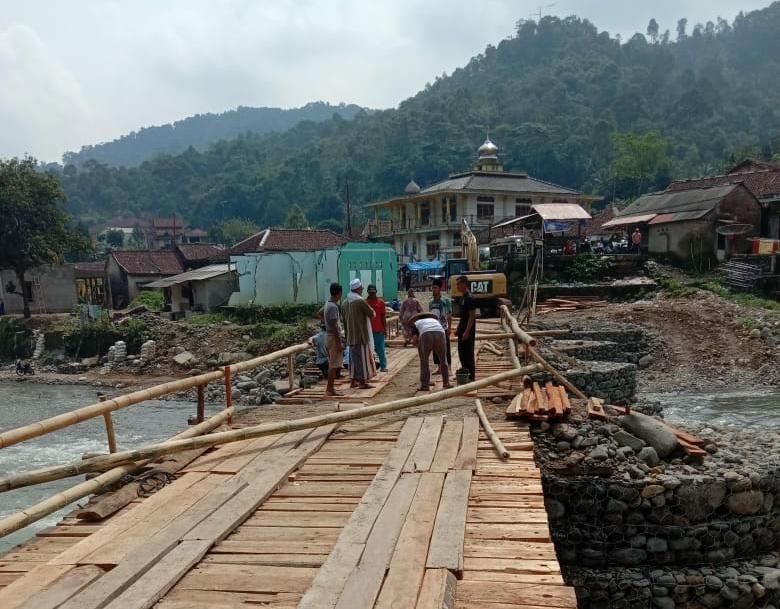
(488, 288)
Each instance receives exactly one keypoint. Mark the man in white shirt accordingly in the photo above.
(430, 337)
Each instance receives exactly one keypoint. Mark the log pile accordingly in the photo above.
(537, 403)
(573, 303)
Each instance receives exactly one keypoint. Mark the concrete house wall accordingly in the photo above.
(207, 294)
(58, 289)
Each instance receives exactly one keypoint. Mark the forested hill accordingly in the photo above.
(203, 130)
(563, 101)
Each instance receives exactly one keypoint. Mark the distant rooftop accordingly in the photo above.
(289, 240)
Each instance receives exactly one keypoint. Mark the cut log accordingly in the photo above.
(596, 409)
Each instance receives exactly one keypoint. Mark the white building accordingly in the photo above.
(425, 223)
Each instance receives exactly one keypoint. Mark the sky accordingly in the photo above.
(88, 71)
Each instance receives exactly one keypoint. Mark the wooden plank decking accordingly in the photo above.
(419, 513)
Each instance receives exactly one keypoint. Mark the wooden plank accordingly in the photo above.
(438, 590)
(467, 456)
(407, 566)
(513, 565)
(262, 518)
(362, 587)
(446, 551)
(362, 520)
(493, 577)
(596, 409)
(520, 532)
(273, 560)
(285, 534)
(515, 550)
(424, 449)
(248, 452)
(256, 579)
(508, 515)
(477, 594)
(324, 591)
(153, 584)
(212, 599)
(230, 546)
(24, 588)
(63, 588)
(449, 445)
(564, 399)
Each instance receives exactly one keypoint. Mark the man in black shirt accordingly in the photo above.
(466, 327)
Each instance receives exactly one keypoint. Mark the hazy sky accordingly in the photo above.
(85, 71)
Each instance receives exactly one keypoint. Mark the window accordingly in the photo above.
(486, 199)
(453, 215)
(425, 213)
(456, 239)
(522, 210)
(432, 246)
(559, 200)
(485, 211)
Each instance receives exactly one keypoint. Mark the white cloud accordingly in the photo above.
(81, 72)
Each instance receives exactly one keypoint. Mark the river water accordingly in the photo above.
(23, 402)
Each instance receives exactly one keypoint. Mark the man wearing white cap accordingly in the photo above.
(357, 319)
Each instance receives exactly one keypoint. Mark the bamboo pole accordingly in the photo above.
(515, 327)
(290, 372)
(151, 451)
(60, 500)
(19, 434)
(110, 432)
(201, 411)
(497, 444)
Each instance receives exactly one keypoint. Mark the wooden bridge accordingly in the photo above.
(395, 512)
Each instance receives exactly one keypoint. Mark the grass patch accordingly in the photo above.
(206, 319)
(289, 313)
(673, 287)
(741, 298)
(274, 335)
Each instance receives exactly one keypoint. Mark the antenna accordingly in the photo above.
(539, 9)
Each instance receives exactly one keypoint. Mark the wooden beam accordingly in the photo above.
(446, 551)
(500, 448)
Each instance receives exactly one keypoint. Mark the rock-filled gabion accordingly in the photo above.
(739, 585)
(612, 381)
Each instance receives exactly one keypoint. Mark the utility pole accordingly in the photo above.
(349, 211)
(539, 9)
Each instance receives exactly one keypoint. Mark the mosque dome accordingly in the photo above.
(412, 188)
(488, 149)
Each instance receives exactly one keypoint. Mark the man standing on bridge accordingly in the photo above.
(466, 330)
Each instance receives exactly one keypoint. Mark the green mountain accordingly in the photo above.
(201, 131)
(564, 101)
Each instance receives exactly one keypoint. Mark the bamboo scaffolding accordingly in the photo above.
(20, 434)
(60, 500)
(521, 334)
(497, 444)
(266, 429)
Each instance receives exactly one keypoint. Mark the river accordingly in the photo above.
(23, 402)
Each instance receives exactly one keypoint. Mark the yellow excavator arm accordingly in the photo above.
(469, 245)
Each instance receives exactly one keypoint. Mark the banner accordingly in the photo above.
(559, 226)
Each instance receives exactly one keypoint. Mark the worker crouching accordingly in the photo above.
(429, 336)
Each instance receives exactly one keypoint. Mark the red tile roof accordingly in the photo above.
(762, 183)
(90, 269)
(289, 240)
(201, 251)
(145, 262)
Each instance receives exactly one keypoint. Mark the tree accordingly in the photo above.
(296, 218)
(115, 238)
(35, 228)
(652, 30)
(137, 239)
(639, 158)
(232, 231)
(682, 25)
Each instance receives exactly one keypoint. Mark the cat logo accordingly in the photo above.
(481, 287)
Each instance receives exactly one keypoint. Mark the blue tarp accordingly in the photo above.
(433, 265)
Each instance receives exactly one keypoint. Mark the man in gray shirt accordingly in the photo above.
(334, 343)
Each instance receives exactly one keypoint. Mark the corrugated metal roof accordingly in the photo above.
(695, 199)
(207, 272)
(560, 211)
(505, 182)
(680, 216)
(624, 220)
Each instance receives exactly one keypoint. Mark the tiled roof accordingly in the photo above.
(201, 251)
(500, 182)
(698, 199)
(761, 183)
(90, 269)
(289, 240)
(144, 262)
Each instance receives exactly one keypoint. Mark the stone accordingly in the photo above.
(746, 502)
(184, 358)
(656, 544)
(664, 602)
(263, 376)
(235, 393)
(646, 361)
(615, 506)
(649, 456)
(564, 431)
(281, 387)
(90, 361)
(653, 432)
(755, 333)
(599, 453)
(555, 509)
(246, 385)
(651, 490)
(629, 556)
(626, 439)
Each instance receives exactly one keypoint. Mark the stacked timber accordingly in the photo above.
(573, 303)
(537, 403)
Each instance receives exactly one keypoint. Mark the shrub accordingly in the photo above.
(14, 339)
(151, 299)
(95, 337)
(587, 267)
(271, 336)
(286, 313)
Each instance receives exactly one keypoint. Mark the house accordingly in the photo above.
(49, 289)
(197, 255)
(424, 224)
(761, 178)
(694, 219)
(203, 289)
(127, 271)
(157, 233)
(281, 266)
